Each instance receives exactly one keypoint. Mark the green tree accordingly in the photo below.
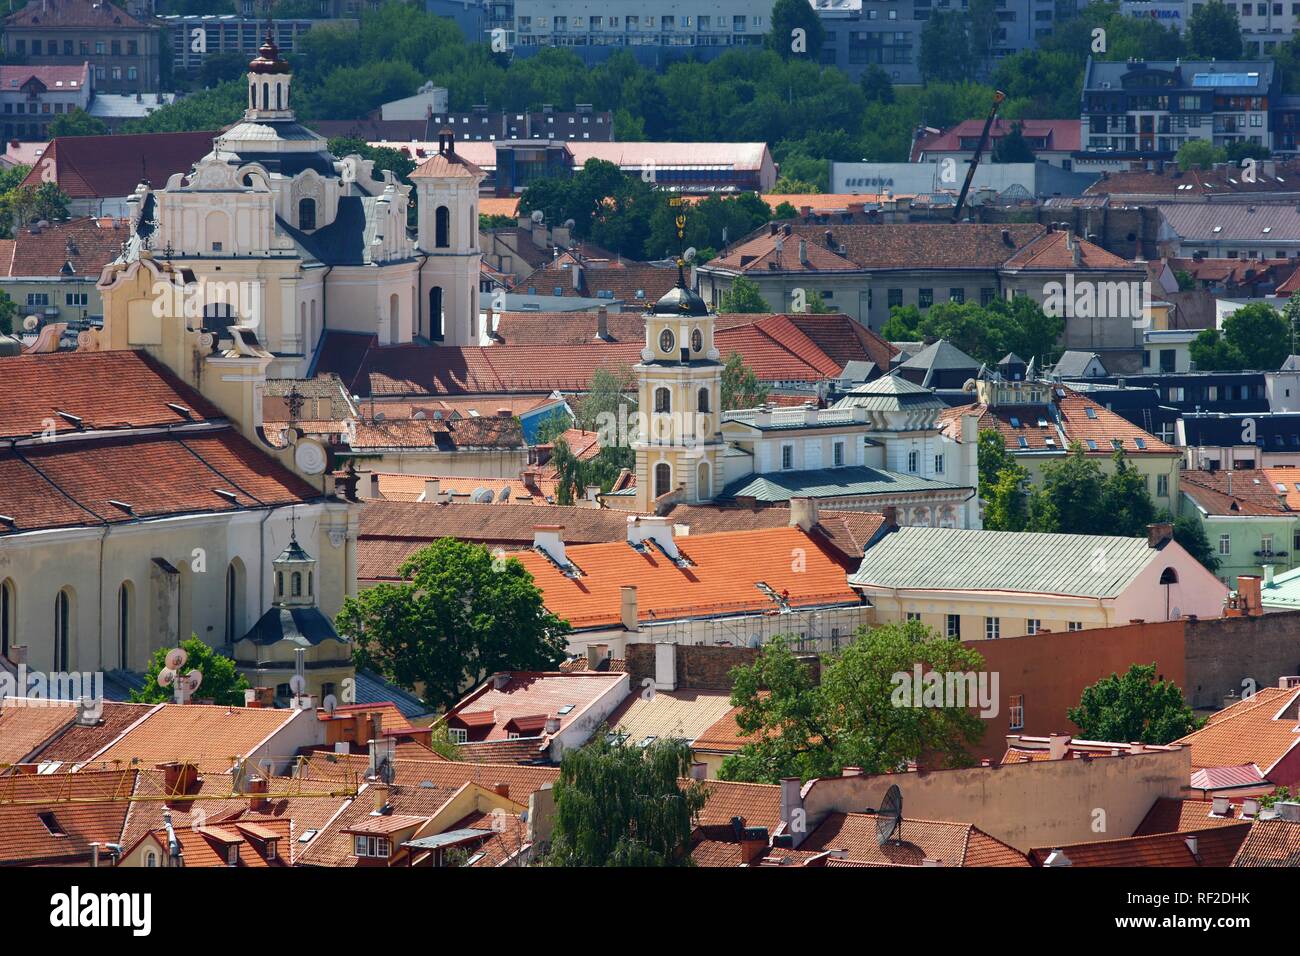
(1190, 533)
(1213, 32)
(743, 296)
(384, 157)
(1127, 503)
(856, 716)
(77, 123)
(1255, 337)
(993, 457)
(876, 85)
(610, 396)
(1236, 152)
(222, 683)
(1199, 154)
(1133, 707)
(740, 386)
(625, 806)
(209, 110)
(221, 68)
(1012, 147)
(8, 313)
(789, 16)
(945, 49)
(1073, 487)
(460, 615)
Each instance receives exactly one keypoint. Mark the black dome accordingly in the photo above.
(680, 301)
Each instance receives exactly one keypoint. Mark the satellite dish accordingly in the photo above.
(166, 677)
(297, 684)
(195, 678)
(380, 416)
(504, 494)
(30, 323)
(569, 224)
(419, 416)
(176, 659)
(538, 216)
(482, 496)
(889, 818)
(689, 254)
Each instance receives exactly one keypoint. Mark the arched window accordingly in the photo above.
(62, 630)
(663, 478)
(297, 584)
(266, 96)
(663, 400)
(279, 92)
(704, 489)
(1168, 576)
(234, 600)
(702, 404)
(307, 213)
(442, 227)
(124, 624)
(279, 584)
(8, 615)
(435, 314)
(393, 312)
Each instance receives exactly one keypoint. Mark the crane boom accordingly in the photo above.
(998, 97)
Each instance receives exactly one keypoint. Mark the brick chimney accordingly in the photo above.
(256, 789)
(1159, 534)
(179, 777)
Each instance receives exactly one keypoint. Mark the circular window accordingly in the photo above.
(666, 340)
(697, 340)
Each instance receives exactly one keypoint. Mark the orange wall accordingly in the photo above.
(1051, 671)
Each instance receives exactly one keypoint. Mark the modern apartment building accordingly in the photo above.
(194, 38)
(1263, 25)
(123, 51)
(1145, 110)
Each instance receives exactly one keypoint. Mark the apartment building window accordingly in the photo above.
(1032, 625)
(1074, 626)
(1225, 544)
(1162, 486)
(132, 73)
(20, 47)
(458, 735)
(987, 296)
(38, 298)
(370, 846)
(132, 48)
(895, 297)
(1266, 543)
(913, 460)
(924, 298)
(99, 48)
(938, 464)
(116, 47)
(76, 298)
(914, 616)
(837, 453)
(67, 48)
(952, 626)
(1017, 711)
(957, 295)
(992, 628)
(787, 457)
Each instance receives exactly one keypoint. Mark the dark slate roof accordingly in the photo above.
(306, 626)
(1073, 363)
(373, 689)
(345, 241)
(827, 483)
(1274, 431)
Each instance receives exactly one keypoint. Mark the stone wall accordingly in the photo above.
(1224, 652)
(698, 666)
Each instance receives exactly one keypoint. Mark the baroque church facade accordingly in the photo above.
(272, 232)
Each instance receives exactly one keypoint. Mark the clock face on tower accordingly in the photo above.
(666, 340)
(697, 340)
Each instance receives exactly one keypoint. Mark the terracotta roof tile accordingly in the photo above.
(1215, 847)
(1249, 731)
(1209, 490)
(1052, 252)
(213, 737)
(1058, 134)
(53, 819)
(724, 574)
(50, 14)
(1273, 842)
(106, 167)
(26, 724)
(954, 844)
(77, 743)
(1171, 815)
(535, 694)
(78, 247)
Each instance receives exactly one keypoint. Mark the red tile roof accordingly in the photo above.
(212, 737)
(636, 284)
(447, 165)
(52, 14)
(14, 77)
(53, 819)
(1171, 815)
(1066, 420)
(1061, 135)
(78, 247)
(1250, 496)
(1052, 252)
(953, 844)
(25, 725)
(108, 167)
(1273, 842)
(723, 576)
(1260, 729)
(1215, 846)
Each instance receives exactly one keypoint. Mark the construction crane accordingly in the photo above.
(998, 97)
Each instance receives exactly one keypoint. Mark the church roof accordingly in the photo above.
(680, 300)
(304, 626)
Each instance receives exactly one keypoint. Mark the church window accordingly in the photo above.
(666, 340)
(703, 400)
(663, 400)
(663, 478)
(441, 227)
(306, 214)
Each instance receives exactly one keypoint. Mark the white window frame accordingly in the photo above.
(992, 628)
(458, 735)
(1225, 544)
(1016, 709)
(1033, 625)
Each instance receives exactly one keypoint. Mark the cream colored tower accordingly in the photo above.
(679, 391)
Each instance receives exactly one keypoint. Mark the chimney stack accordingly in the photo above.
(602, 324)
(501, 790)
(803, 252)
(793, 821)
(627, 607)
(656, 528)
(257, 799)
(1159, 533)
(1058, 745)
(803, 513)
(432, 489)
(549, 539)
(597, 653)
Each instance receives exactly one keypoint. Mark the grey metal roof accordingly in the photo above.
(304, 626)
(1239, 222)
(1237, 71)
(450, 838)
(890, 393)
(941, 354)
(952, 559)
(829, 483)
(373, 689)
(1074, 363)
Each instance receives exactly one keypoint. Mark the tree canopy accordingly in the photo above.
(617, 804)
(1255, 337)
(461, 614)
(1134, 706)
(222, 683)
(984, 332)
(798, 727)
(740, 386)
(743, 296)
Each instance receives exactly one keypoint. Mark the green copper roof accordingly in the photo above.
(829, 483)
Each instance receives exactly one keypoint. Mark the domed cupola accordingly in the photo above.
(268, 60)
(680, 301)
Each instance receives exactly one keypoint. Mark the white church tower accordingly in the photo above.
(447, 188)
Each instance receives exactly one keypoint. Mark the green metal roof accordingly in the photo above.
(1284, 591)
(952, 559)
(829, 483)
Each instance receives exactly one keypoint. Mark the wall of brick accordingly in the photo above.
(699, 666)
(1224, 652)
